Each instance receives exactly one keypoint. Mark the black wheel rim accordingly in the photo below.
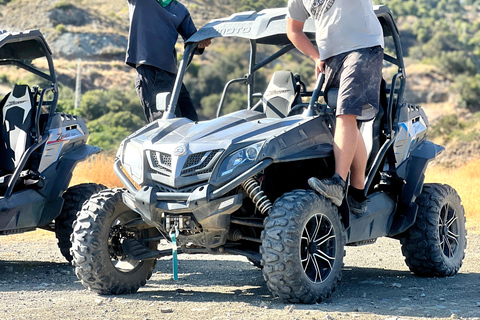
(318, 248)
(119, 260)
(448, 230)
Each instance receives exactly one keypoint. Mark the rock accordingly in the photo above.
(88, 45)
(396, 285)
(166, 310)
(290, 308)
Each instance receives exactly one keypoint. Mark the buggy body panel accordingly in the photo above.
(34, 178)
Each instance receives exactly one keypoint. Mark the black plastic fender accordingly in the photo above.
(61, 172)
(412, 171)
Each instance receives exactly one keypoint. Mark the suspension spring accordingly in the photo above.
(252, 187)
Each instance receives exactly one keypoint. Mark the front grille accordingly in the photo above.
(196, 163)
(162, 159)
(161, 163)
(202, 162)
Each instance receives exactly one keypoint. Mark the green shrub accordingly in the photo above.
(468, 89)
(445, 126)
(456, 62)
(4, 79)
(450, 128)
(60, 28)
(63, 5)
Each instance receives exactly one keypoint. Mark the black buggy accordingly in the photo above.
(237, 184)
(39, 147)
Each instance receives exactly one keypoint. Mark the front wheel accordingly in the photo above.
(302, 247)
(99, 231)
(435, 245)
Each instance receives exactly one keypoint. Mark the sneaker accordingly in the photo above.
(332, 188)
(357, 208)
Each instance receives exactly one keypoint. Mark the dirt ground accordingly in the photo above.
(36, 283)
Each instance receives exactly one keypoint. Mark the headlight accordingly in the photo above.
(133, 161)
(243, 156)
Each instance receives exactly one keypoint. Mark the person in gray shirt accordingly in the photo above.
(154, 29)
(350, 53)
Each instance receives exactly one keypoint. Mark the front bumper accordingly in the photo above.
(211, 217)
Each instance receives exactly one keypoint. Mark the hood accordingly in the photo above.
(179, 152)
(227, 132)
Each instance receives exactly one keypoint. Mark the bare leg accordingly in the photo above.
(350, 156)
(350, 151)
(359, 164)
(345, 144)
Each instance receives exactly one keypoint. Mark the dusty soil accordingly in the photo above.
(36, 283)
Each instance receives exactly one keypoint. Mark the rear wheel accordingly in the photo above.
(302, 247)
(435, 245)
(74, 198)
(99, 231)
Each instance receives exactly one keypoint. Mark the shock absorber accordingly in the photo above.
(252, 188)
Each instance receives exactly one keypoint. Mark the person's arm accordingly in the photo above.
(187, 29)
(301, 42)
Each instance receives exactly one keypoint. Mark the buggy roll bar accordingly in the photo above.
(269, 27)
(182, 68)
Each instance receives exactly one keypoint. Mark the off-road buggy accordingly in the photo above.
(237, 184)
(39, 147)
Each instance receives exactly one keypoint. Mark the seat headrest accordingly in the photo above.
(16, 124)
(279, 95)
(19, 98)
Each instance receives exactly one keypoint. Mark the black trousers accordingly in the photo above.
(150, 81)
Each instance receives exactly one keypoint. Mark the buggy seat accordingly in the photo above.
(17, 120)
(281, 94)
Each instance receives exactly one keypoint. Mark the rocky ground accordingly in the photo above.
(36, 283)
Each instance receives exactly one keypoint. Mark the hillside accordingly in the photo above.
(87, 29)
(441, 41)
(96, 32)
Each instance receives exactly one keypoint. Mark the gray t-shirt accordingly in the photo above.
(154, 31)
(341, 25)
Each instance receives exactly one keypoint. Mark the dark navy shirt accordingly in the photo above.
(154, 31)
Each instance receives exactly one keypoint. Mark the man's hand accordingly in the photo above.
(319, 66)
(204, 43)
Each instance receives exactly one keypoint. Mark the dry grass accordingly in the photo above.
(465, 180)
(96, 169)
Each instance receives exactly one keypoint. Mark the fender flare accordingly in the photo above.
(413, 173)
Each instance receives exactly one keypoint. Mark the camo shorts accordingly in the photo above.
(357, 75)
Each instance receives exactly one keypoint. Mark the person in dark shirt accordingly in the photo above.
(154, 29)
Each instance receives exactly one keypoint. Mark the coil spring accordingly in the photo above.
(252, 187)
